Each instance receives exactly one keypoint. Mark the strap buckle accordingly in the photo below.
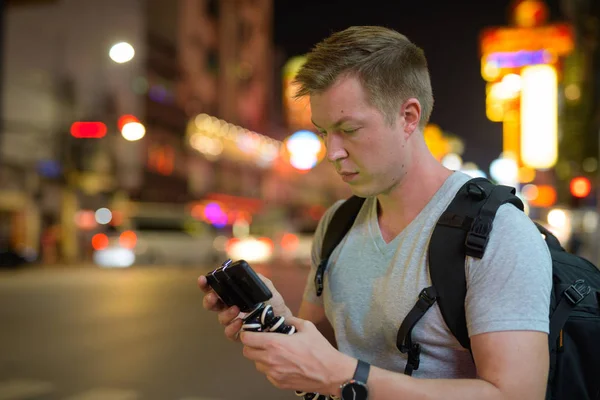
(577, 292)
(428, 298)
(319, 277)
(414, 356)
(478, 236)
(475, 190)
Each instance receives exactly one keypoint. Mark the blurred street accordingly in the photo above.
(123, 334)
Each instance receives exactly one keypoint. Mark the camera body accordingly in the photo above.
(237, 284)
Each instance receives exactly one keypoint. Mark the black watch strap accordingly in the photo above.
(361, 374)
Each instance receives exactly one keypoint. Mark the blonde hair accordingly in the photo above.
(390, 67)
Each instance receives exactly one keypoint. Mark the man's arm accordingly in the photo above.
(312, 312)
(315, 313)
(511, 365)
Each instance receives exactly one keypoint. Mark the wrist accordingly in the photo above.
(342, 370)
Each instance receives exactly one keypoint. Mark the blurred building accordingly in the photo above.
(191, 56)
(193, 61)
(227, 73)
(579, 150)
(229, 85)
(51, 79)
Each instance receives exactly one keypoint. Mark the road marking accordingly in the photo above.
(106, 394)
(18, 389)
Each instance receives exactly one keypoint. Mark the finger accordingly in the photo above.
(258, 340)
(228, 315)
(212, 302)
(254, 355)
(232, 330)
(203, 284)
(274, 382)
(261, 367)
(299, 324)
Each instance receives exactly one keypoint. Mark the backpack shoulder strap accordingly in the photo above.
(463, 230)
(340, 224)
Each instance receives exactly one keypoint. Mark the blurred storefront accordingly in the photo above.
(109, 118)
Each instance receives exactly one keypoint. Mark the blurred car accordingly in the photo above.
(159, 241)
(288, 247)
(10, 258)
(251, 249)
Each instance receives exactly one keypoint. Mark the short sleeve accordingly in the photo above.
(510, 287)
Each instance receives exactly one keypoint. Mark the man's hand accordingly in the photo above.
(230, 316)
(304, 361)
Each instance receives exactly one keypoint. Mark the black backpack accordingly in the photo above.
(463, 230)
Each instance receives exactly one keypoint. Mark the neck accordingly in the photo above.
(399, 206)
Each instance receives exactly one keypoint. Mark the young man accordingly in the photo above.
(370, 97)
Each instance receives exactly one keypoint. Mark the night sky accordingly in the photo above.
(448, 33)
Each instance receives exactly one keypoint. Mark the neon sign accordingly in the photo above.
(519, 58)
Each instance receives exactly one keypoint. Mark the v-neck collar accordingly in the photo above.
(375, 231)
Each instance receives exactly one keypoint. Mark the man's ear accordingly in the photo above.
(411, 113)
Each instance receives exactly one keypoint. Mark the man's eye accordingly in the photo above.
(348, 131)
(322, 134)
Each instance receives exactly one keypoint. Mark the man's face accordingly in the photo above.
(369, 154)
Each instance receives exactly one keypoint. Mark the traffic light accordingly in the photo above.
(88, 130)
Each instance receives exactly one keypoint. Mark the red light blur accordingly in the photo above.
(99, 241)
(289, 242)
(581, 187)
(88, 130)
(128, 239)
(125, 119)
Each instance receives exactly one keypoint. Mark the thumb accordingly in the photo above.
(298, 323)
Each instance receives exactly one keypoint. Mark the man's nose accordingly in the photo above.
(335, 148)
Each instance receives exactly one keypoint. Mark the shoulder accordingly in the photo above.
(515, 240)
(514, 229)
(509, 288)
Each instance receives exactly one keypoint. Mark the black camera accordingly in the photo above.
(237, 284)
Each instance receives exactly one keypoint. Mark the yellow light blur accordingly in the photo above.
(121, 52)
(436, 141)
(557, 218)
(489, 70)
(560, 224)
(511, 132)
(511, 85)
(526, 174)
(539, 119)
(530, 192)
(494, 109)
(133, 131)
(572, 92)
(499, 95)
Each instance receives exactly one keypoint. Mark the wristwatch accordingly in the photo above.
(356, 388)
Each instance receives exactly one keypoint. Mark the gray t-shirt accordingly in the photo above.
(370, 286)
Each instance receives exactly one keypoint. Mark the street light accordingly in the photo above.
(121, 52)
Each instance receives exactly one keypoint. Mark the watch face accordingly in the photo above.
(354, 391)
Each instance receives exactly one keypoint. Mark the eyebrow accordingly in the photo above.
(337, 123)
